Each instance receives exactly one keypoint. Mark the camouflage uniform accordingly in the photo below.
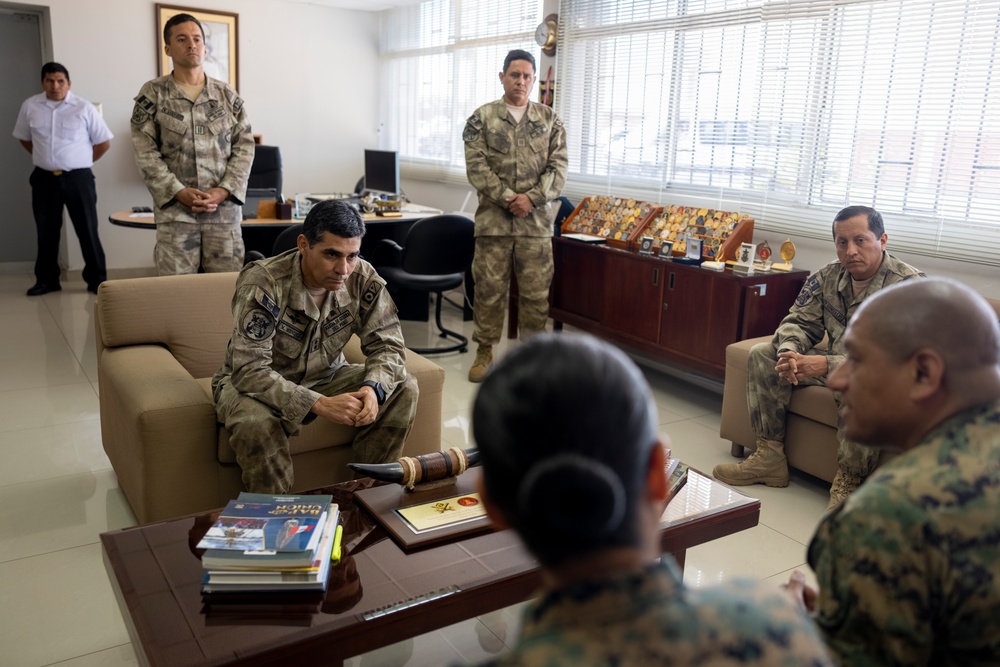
(647, 617)
(182, 144)
(908, 568)
(823, 307)
(285, 353)
(504, 158)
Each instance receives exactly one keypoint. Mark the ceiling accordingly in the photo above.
(362, 5)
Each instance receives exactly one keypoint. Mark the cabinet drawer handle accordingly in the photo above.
(656, 276)
(670, 285)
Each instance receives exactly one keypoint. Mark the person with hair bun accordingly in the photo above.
(572, 461)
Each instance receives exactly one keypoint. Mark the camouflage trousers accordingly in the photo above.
(182, 246)
(768, 397)
(531, 258)
(260, 438)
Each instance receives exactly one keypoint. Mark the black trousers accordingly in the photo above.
(76, 191)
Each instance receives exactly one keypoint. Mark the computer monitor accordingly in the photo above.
(382, 171)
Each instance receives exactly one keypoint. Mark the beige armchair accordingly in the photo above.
(159, 341)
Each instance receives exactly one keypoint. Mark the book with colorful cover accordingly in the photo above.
(305, 579)
(269, 530)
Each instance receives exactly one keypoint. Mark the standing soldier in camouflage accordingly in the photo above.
(293, 314)
(585, 491)
(908, 567)
(824, 306)
(194, 148)
(515, 157)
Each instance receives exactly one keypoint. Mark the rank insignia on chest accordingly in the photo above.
(199, 129)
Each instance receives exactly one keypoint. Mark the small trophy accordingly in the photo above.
(744, 259)
(787, 252)
(646, 246)
(764, 255)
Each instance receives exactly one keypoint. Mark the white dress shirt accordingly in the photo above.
(62, 134)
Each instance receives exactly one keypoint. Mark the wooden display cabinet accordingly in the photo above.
(684, 314)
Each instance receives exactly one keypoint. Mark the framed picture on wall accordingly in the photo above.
(222, 55)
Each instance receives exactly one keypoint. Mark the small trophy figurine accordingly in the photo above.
(787, 252)
(764, 254)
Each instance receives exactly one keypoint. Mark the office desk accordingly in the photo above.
(260, 233)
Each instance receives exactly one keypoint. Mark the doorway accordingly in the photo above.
(21, 43)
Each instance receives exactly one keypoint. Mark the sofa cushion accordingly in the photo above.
(161, 311)
(815, 403)
(316, 435)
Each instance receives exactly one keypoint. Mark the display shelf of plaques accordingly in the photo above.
(716, 229)
(618, 220)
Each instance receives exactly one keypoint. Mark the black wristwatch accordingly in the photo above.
(379, 391)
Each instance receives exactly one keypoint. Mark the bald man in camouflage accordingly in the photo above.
(515, 157)
(194, 147)
(909, 566)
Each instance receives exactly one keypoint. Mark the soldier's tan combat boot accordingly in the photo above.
(484, 357)
(766, 465)
(844, 484)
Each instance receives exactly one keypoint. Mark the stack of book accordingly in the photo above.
(262, 542)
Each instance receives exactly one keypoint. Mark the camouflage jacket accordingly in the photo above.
(647, 617)
(182, 144)
(827, 302)
(282, 344)
(503, 159)
(909, 567)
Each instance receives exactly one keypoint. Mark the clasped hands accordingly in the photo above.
(520, 205)
(355, 408)
(202, 202)
(796, 367)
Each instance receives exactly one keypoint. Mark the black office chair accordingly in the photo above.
(566, 209)
(437, 252)
(287, 239)
(265, 171)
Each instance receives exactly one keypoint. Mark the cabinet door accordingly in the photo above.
(578, 283)
(633, 290)
(701, 313)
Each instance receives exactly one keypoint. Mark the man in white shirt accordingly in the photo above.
(65, 135)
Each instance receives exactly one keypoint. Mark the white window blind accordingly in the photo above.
(790, 110)
(440, 61)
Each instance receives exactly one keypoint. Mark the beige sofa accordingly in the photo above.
(811, 425)
(159, 341)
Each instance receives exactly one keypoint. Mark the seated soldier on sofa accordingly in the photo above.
(823, 308)
(293, 314)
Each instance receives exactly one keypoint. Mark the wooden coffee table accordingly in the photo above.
(378, 594)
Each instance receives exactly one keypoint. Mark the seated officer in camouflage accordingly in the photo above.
(515, 158)
(194, 148)
(585, 490)
(909, 566)
(824, 306)
(293, 314)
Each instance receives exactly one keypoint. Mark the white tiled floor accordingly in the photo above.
(58, 492)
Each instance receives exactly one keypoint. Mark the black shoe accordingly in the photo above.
(39, 289)
(93, 288)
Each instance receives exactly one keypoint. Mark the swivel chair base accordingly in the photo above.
(463, 344)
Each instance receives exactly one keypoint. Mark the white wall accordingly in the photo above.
(308, 75)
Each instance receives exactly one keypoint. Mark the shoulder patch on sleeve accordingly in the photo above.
(257, 324)
(267, 303)
(139, 115)
(370, 295)
(471, 132)
(237, 104)
(808, 291)
(145, 103)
